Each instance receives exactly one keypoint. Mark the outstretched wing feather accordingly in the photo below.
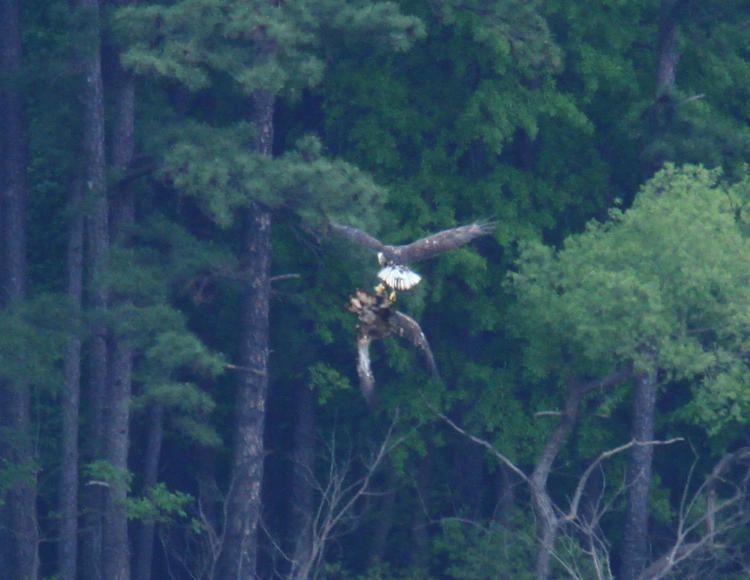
(440, 242)
(408, 328)
(359, 237)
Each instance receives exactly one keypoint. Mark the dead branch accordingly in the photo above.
(719, 517)
(338, 495)
(478, 440)
(583, 480)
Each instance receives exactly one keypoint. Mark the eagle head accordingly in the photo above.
(382, 260)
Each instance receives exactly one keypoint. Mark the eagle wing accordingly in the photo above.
(440, 242)
(422, 249)
(408, 328)
(359, 237)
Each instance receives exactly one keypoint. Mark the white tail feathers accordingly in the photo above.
(399, 277)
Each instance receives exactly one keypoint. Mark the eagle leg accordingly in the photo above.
(382, 292)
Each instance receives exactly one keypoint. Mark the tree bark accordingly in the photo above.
(303, 494)
(238, 558)
(88, 57)
(548, 522)
(668, 56)
(145, 540)
(635, 541)
(115, 552)
(18, 449)
(67, 548)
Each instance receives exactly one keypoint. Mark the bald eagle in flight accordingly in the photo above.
(377, 320)
(395, 273)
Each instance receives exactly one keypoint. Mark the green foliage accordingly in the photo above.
(258, 44)
(101, 472)
(326, 381)
(159, 505)
(505, 30)
(173, 349)
(383, 571)
(193, 39)
(664, 276)
(13, 475)
(723, 399)
(477, 553)
(217, 167)
(33, 336)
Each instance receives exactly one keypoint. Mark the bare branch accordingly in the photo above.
(338, 494)
(687, 527)
(478, 440)
(283, 277)
(583, 480)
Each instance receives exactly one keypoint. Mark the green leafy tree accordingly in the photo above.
(659, 288)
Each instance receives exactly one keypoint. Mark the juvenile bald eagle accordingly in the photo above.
(395, 273)
(378, 320)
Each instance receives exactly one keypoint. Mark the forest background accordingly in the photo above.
(178, 385)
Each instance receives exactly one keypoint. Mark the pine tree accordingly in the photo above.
(19, 514)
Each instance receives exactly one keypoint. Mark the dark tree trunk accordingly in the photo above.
(303, 493)
(145, 540)
(115, 552)
(238, 558)
(97, 236)
(548, 522)
(14, 151)
(506, 496)
(668, 56)
(67, 549)
(635, 552)
(18, 450)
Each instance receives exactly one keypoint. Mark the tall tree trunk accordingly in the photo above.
(548, 522)
(145, 539)
(238, 558)
(635, 541)
(88, 58)
(634, 551)
(16, 401)
(303, 493)
(668, 55)
(115, 552)
(67, 548)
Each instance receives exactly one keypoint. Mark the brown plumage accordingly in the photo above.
(377, 320)
(423, 248)
(395, 273)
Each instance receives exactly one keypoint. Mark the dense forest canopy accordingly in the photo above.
(182, 330)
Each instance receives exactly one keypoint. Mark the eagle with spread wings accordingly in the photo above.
(377, 320)
(395, 273)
